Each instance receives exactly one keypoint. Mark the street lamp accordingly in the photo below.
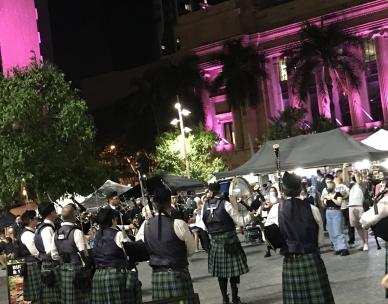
(175, 121)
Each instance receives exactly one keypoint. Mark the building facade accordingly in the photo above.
(20, 37)
(274, 27)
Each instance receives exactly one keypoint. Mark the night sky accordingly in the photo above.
(91, 37)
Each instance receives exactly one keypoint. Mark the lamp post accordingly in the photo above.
(175, 121)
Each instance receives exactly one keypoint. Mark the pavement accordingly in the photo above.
(355, 279)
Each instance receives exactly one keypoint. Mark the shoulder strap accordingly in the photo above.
(66, 233)
(41, 226)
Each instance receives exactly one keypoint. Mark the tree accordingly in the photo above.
(292, 122)
(200, 144)
(46, 136)
(328, 52)
(242, 69)
(160, 85)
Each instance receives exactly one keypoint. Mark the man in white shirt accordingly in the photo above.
(44, 241)
(32, 278)
(70, 245)
(169, 243)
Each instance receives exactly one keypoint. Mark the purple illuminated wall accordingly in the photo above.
(19, 35)
(358, 99)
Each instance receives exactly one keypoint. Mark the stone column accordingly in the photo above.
(274, 95)
(382, 69)
(323, 100)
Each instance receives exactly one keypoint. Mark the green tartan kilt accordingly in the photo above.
(305, 280)
(69, 294)
(116, 287)
(51, 294)
(222, 264)
(170, 284)
(32, 282)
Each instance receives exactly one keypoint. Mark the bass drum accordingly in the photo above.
(240, 189)
(381, 229)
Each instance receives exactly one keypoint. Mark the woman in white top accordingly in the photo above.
(356, 200)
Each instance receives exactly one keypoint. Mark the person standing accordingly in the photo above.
(115, 280)
(17, 228)
(356, 210)
(334, 219)
(227, 258)
(344, 190)
(304, 276)
(70, 246)
(43, 240)
(32, 280)
(169, 243)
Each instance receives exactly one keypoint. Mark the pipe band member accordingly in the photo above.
(304, 276)
(227, 258)
(43, 240)
(32, 278)
(70, 245)
(169, 243)
(115, 280)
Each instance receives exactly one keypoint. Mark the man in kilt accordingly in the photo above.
(305, 279)
(70, 245)
(169, 243)
(115, 280)
(43, 241)
(227, 258)
(31, 273)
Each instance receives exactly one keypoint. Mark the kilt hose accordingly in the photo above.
(114, 286)
(170, 284)
(305, 280)
(51, 294)
(223, 264)
(32, 283)
(69, 294)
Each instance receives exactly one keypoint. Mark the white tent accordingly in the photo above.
(378, 140)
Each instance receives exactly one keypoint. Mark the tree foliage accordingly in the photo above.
(203, 163)
(46, 136)
(329, 52)
(242, 69)
(292, 122)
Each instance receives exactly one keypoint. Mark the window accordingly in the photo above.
(373, 87)
(369, 50)
(228, 132)
(285, 95)
(283, 69)
(222, 107)
(314, 107)
(346, 118)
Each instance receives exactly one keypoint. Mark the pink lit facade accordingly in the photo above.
(357, 110)
(19, 35)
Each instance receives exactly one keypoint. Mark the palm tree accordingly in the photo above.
(242, 70)
(158, 88)
(328, 52)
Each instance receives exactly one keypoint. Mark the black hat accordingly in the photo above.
(292, 184)
(162, 196)
(45, 209)
(105, 216)
(111, 194)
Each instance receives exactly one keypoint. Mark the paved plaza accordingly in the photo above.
(355, 279)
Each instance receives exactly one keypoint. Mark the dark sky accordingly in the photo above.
(91, 37)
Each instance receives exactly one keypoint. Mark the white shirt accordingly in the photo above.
(356, 195)
(27, 239)
(273, 214)
(181, 230)
(47, 234)
(344, 190)
(79, 240)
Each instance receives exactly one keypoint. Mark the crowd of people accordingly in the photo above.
(64, 263)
